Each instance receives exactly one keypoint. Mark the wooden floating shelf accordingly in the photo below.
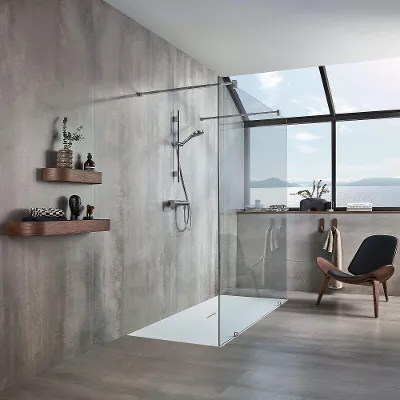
(71, 176)
(53, 228)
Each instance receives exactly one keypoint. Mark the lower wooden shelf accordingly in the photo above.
(71, 175)
(52, 228)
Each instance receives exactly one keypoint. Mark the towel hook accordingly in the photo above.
(321, 228)
(334, 223)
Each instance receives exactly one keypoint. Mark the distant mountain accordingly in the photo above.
(272, 183)
(374, 182)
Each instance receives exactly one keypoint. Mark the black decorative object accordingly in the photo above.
(312, 200)
(89, 212)
(89, 163)
(76, 207)
(312, 204)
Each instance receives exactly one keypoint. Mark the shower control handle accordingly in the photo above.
(174, 204)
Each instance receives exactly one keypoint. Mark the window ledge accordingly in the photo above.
(321, 212)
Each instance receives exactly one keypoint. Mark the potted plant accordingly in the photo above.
(65, 156)
(311, 202)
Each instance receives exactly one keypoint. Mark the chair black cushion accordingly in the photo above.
(374, 252)
(337, 273)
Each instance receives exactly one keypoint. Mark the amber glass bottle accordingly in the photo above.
(89, 164)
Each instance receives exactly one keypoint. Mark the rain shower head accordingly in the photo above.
(193, 135)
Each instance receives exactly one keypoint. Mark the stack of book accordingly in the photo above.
(359, 206)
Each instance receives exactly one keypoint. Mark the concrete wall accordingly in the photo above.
(60, 295)
(47, 284)
(150, 270)
(304, 245)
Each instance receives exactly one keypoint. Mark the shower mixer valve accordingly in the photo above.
(174, 204)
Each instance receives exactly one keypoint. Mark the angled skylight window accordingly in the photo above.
(365, 86)
(295, 93)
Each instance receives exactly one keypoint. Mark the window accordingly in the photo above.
(368, 162)
(284, 161)
(366, 86)
(309, 159)
(268, 165)
(363, 125)
(295, 92)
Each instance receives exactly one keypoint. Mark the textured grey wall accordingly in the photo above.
(163, 271)
(46, 290)
(304, 244)
(58, 296)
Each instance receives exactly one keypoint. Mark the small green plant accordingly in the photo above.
(317, 187)
(68, 137)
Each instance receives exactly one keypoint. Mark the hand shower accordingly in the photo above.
(193, 135)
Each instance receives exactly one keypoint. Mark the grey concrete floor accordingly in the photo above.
(334, 351)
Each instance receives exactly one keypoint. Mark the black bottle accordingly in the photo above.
(89, 164)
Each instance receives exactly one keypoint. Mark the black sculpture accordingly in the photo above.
(76, 207)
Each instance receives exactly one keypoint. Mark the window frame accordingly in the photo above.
(332, 117)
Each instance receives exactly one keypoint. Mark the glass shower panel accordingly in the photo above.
(252, 243)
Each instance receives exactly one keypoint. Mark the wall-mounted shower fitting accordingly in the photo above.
(193, 135)
(184, 204)
(174, 204)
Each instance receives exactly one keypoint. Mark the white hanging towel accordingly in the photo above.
(333, 245)
(271, 244)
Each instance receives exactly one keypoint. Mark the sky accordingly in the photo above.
(301, 153)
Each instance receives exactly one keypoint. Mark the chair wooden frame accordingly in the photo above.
(374, 279)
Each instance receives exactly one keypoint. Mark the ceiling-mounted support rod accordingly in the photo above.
(277, 112)
(179, 89)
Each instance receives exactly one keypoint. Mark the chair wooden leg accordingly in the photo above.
(376, 286)
(384, 284)
(323, 288)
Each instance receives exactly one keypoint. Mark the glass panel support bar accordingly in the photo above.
(277, 112)
(179, 89)
(315, 119)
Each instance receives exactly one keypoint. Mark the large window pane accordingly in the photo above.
(286, 160)
(268, 165)
(295, 92)
(368, 162)
(365, 86)
(309, 159)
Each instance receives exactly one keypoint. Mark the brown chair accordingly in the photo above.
(371, 266)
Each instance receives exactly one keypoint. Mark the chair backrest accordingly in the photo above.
(374, 252)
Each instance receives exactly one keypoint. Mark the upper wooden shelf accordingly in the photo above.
(53, 228)
(71, 176)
